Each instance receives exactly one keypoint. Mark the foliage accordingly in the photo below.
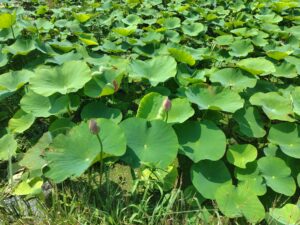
(229, 68)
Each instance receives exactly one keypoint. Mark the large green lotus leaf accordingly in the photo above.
(241, 48)
(285, 69)
(240, 201)
(225, 39)
(70, 155)
(277, 175)
(232, 77)
(156, 70)
(40, 106)
(33, 158)
(275, 106)
(257, 66)
(208, 176)
(70, 77)
(100, 110)
(82, 17)
(171, 22)
(132, 19)
(295, 61)
(245, 32)
(61, 59)
(295, 95)
(61, 125)
(20, 122)
(289, 214)
(14, 80)
(250, 122)
(64, 46)
(192, 29)
(152, 37)
(151, 108)
(286, 135)
(250, 176)
(29, 187)
(152, 142)
(215, 98)
(3, 59)
(201, 140)
(21, 47)
(241, 154)
(7, 20)
(8, 146)
(182, 56)
(124, 31)
(279, 53)
(102, 85)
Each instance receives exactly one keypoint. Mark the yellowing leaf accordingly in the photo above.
(182, 56)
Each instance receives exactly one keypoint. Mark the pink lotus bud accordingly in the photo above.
(116, 85)
(94, 128)
(167, 104)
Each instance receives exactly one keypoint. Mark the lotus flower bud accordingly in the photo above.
(167, 104)
(94, 128)
(116, 85)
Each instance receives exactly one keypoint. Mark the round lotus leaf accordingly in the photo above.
(231, 77)
(61, 59)
(245, 32)
(286, 135)
(257, 66)
(201, 140)
(3, 59)
(61, 125)
(33, 159)
(20, 122)
(295, 95)
(8, 146)
(241, 154)
(151, 142)
(241, 48)
(171, 22)
(29, 187)
(226, 39)
(289, 214)
(173, 36)
(103, 84)
(274, 105)
(215, 98)
(72, 154)
(286, 70)
(7, 20)
(277, 175)
(250, 122)
(279, 53)
(182, 56)
(82, 17)
(192, 29)
(239, 202)
(125, 31)
(209, 176)
(100, 110)
(295, 61)
(156, 70)
(132, 19)
(69, 77)
(151, 108)
(14, 80)
(21, 47)
(40, 106)
(251, 177)
(152, 37)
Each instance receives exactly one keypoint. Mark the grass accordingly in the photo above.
(119, 200)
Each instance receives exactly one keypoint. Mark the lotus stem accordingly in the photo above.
(101, 157)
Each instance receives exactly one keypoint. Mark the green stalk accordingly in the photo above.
(101, 157)
(13, 33)
(167, 115)
(10, 172)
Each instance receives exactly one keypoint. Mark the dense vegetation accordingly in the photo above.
(193, 98)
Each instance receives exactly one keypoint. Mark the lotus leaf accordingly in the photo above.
(153, 142)
(20, 122)
(257, 66)
(241, 154)
(289, 214)
(156, 70)
(8, 146)
(208, 176)
(70, 155)
(215, 98)
(70, 77)
(201, 140)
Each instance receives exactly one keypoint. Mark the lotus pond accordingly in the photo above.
(153, 98)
